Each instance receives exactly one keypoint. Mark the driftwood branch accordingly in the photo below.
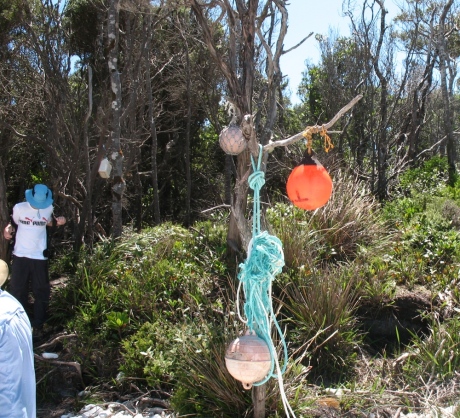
(313, 129)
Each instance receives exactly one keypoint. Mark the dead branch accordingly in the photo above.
(215, 208)
(313, 129)
(73, 364)
(55, 341)
(45, 376)
(432, 147)
(298, 44)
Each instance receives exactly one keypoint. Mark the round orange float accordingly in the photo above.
(232, 140)
(309, 185)
(248, 359)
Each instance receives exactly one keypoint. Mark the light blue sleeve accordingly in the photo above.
(17, 373)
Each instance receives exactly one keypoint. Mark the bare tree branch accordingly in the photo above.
(298, 44)
(313, 129)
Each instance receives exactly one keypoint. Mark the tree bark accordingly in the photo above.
(118, 185)
(86, 220)
(258, 400)
(4, 215)
(187, 153)
(153, 134)
(446, 96)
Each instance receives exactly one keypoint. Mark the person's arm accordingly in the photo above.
(60, 220)
(9, 231)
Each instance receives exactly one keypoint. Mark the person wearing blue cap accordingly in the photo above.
(30, 256)
(17, 372)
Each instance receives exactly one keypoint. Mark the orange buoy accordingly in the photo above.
(248, 359)
(309, 185)
(232, 140)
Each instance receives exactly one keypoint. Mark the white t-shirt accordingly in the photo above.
(31, 232)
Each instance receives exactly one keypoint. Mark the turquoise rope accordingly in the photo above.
(265, 260)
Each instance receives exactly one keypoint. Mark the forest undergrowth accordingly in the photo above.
(368, 301)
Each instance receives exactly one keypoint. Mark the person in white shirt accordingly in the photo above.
(17, 373)
(30, 258)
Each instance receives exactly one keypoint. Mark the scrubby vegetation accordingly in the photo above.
(368, 300)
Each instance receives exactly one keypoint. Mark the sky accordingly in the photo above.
(305, 16)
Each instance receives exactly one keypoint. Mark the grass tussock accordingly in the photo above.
(333, 233)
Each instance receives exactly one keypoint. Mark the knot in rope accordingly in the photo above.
(265, 260)
(256, 180)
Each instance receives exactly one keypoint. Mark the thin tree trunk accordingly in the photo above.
(258, 400)
(153, 135)
(187, 157)
(116, 156)
(86, 220)
(4, 215)
(382, 146)
(447, 120)
(138, 195)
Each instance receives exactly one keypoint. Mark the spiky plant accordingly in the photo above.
(434, 359)
(350, 219)
(322, 327)
(204, 387)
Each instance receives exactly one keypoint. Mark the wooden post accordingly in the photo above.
(258, 400)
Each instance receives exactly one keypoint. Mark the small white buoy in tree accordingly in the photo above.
(248, 359)
(232, 140)
(105, 168)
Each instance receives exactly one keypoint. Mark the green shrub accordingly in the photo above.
(418, 188)
(428, 246)
(451, 210)
(166, 273)
(429, 178)
(150, 354)
(403, 210)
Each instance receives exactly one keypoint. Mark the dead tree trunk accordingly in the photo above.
(153, 131)
(116, 155)
(442, 37)
(4, 215)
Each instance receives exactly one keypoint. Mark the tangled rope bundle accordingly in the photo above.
(264, 261)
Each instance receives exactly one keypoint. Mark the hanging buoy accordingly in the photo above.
(105, 168)
(309, 185)
(232, 140)
(248, 359)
